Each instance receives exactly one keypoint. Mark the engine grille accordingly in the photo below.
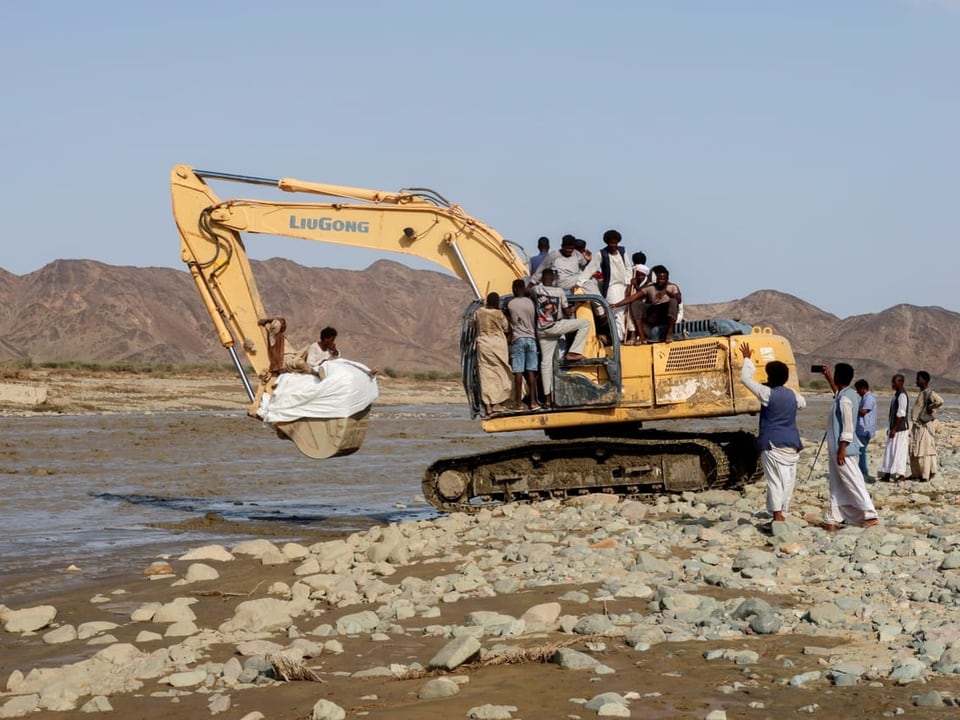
(692, 356)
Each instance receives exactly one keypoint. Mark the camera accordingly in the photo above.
(817, 368)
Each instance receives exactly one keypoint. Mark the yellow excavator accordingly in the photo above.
(597, 439)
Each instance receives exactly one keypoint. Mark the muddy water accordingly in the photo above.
(77, 488)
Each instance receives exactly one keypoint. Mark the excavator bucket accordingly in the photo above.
(325, 438)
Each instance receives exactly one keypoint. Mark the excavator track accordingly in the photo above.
(651, 464)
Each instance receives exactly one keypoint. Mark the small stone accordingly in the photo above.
(931, 698)
(198, 572)
(219, 704)
(492, 712)
(826, 614)
(613, 710)
(598, 701)
(20, 706)
(29, 619)
(145, 612)
(190, 678)
(97, 703)
(455, 653)
(96, 627)
(158, 567)
(216, 553)
(570, 659)
(804, 678)
(438, 688)
(907, 671)
(326, 710)
(64, 633)
(183, 628)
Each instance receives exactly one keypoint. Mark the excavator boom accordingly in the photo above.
(416, 222)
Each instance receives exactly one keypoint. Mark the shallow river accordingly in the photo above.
(78, 488)
(75, 487)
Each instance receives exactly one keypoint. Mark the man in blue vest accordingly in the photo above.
(896, 452)
(850, 502)
(778, 437)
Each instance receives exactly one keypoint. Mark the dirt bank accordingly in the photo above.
(33, 391)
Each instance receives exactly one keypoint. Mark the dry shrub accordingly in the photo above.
(289, 669)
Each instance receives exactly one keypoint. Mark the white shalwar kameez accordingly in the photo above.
(896, 453)
(850, 502)
(617, 291)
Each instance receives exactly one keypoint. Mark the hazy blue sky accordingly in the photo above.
(807, 146)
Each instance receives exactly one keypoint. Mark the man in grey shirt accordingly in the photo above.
(566, 263)
(523, 346)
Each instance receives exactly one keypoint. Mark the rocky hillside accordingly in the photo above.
(387, 315)
(390, 315)
(904, 338)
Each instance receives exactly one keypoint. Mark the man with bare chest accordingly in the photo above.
(660, 304)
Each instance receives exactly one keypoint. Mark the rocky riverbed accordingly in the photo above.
(599, 607)
(595, 607)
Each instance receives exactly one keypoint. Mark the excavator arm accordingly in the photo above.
(415, 222)
(601, 400)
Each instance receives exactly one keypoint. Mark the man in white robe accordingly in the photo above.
(893, 467)
(850, 503)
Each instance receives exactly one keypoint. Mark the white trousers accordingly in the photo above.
(895, 454)
(850, 502)
(615, 293)
(780, 471)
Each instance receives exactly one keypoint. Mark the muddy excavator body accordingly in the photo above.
(596, 436)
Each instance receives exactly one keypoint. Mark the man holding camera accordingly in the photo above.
(850, 503)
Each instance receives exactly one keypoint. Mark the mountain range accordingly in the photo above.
(393, 316)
